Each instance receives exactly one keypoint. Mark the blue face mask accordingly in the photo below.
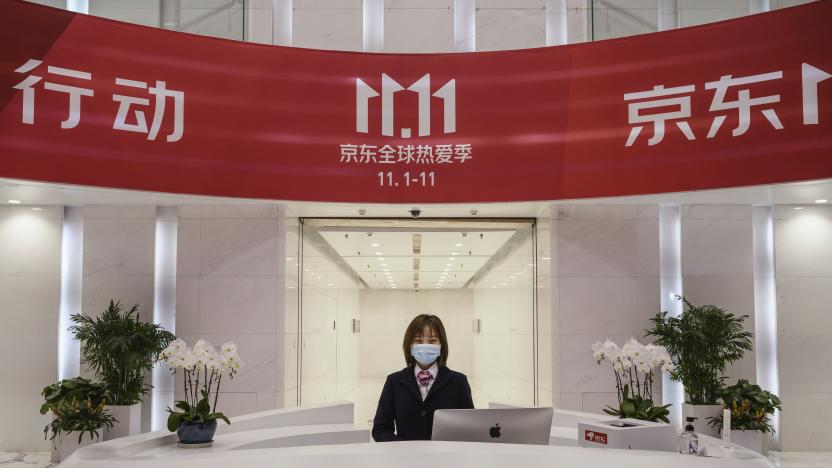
(425, 354)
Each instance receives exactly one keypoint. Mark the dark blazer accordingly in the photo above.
(401, 413)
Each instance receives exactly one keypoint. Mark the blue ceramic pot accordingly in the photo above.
(196, 432)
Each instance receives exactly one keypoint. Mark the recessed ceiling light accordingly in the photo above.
(381, 259)
(798, 208)
(374, 245)
(546, 258)
(447, 265)
(454, 253)
(457, 245)
(821, 200)
(379, 253)
(37, 209)
(14, 202)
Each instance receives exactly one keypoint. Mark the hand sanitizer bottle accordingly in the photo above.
(688, 440)
(692, 438)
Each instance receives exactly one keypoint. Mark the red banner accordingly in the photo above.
(96, 102)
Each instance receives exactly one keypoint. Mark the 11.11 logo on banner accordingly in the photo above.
(419, 154)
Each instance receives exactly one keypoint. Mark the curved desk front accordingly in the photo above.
(325, 437)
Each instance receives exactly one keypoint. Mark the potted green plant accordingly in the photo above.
(77, 406)
(202, 368)
(750, 408)
(120, 349)
(702, 341)
(634, 366)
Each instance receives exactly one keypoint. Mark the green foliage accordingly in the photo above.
(78, 406)
(119, 349)
(636, 407)
(66, 390)
(702, 341)
(750, 406)
(199, 412)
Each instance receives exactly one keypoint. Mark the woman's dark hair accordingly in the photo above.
(416, 326)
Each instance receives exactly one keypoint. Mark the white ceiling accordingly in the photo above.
(385, 260)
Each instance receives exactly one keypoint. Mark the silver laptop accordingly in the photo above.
(504, 425)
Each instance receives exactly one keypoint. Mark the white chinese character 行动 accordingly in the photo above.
(743, 103)
(659, 96)
(161, 94)
(74, 92)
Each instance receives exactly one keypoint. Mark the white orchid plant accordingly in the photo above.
(203, 368)
(634, 365)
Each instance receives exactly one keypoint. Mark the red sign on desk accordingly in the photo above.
(90, 101)
(595, 436)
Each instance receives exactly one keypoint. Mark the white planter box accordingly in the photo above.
(66, 444)
(129, 421)
(702, 413)
(753, 440)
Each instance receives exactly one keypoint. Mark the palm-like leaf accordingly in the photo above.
(119, 349)
(702, 341)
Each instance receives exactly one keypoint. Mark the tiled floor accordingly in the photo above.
(25, 460)
(780, 459)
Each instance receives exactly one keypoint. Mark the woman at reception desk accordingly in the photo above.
(411, 395)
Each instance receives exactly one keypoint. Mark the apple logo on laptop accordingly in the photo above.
(494, 432)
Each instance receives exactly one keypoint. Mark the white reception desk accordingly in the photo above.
(325, 437)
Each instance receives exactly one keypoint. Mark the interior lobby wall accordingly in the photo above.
(607, 283)
(230, 286)
(30, 265)
(418, 26)
(517, 24)
(718, 267)
(803, 259)
(118, 265)
(327, 24)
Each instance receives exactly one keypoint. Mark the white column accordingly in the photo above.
(668, 14)
(765, 307)
(72, 260)
(282, 22)
(465, 26)
(164, 306)
(670, 286)
(78, 6)
(758, 6)
(169, 14)
(556, 29)
(373, 25)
